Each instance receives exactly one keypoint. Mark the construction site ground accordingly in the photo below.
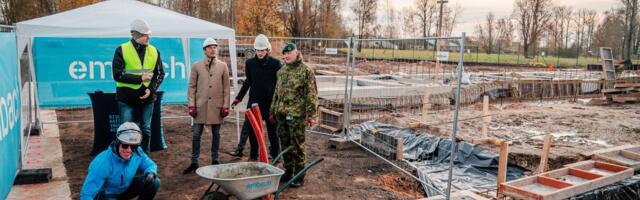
(576, 128)
(344, 174)
(355, 173)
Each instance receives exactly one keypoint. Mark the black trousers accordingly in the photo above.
(136, 189)
(247, 133)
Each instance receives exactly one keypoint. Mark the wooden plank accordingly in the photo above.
(544, 158)
(553, 182)
(583, 174)
(626, 85)
(612, 149)
(485, 113)
(323, 122)
(518, 192)
(400, 149)
(502, 162)
(623, 99)
(630, 154)
(610, 167)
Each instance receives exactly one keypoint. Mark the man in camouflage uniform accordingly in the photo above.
(294, 104)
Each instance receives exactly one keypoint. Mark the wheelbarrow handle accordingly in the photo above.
(298, 175)
(277, 158)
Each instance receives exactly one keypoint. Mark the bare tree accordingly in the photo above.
(611, 30)
(557, 30)
(299, 17)
(486, 33)
(585, 20)
(504, 32)
(591, 22)
(409, 26)
(424, 13)
(450, 19)
(630, 20)
(329, 19)
(531, 16)
(365, 11)
(390, 21)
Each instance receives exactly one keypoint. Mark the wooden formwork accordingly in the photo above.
(566, 182)
(626, 155)
(329, 119)
(545, 89)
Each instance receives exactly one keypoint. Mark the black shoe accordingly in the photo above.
(215, 162)
(297, 183)
(191, 168)
(236, 153)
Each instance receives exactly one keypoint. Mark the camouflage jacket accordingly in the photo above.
(296, 92)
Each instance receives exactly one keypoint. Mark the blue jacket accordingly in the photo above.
(110, 174)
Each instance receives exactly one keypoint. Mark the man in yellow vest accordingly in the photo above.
(138, 72)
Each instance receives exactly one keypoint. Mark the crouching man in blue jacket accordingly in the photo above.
(112, 174)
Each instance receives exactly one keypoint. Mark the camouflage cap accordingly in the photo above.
(289, 47)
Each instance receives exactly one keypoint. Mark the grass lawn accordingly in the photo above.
(516, 59)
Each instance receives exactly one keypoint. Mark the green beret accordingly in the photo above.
(289, 47)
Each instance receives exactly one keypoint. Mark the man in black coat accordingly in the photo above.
(260, 72)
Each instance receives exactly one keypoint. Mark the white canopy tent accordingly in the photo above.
(112, 19)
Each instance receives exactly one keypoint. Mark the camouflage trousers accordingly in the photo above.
(291, 131)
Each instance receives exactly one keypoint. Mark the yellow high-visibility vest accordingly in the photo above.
(132, 64)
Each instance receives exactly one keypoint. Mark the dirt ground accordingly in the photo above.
(576, 128)
(345, 174)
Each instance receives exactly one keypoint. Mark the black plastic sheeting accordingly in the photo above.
(475, 169)
(627, 189)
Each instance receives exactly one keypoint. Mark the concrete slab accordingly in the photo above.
(45, 151)
(341, 143)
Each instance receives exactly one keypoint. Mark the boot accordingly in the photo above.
(215, 162)
(236, 153)
(298, 182)
(191, 168)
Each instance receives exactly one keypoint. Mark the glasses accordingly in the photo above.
(126, 146)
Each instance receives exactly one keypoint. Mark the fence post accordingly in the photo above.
(454, 145)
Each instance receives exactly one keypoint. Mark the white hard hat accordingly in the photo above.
(129, 133)
(140, 26)
(261, 42)
(209, 41)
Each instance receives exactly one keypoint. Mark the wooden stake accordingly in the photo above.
(502, 162)
(544, 158)
(426, 102)
(485, 112)
(400, 149)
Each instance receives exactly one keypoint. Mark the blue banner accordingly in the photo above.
(10, 105)
(196, 53)
(69, 68)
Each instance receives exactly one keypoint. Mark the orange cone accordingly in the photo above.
(551, 68)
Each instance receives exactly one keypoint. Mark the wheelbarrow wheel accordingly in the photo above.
(215, 196)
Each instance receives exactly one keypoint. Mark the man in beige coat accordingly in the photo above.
(208, 100)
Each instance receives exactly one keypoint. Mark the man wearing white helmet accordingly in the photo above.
(138, 72)
(112, 174)
(260, 72)
(208, 98)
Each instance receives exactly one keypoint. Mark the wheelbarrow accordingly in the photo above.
(247, 180)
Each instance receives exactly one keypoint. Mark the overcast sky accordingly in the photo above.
(474, 11)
